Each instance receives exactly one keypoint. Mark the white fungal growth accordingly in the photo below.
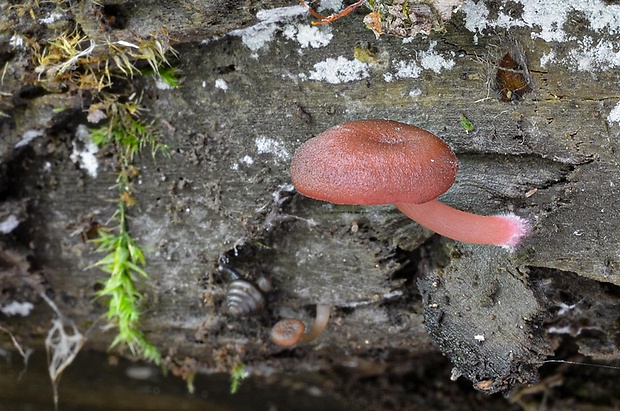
(245, 160)
(427, 60)
(16, 41)
(266, 145)
(339, 70)
(259, 38)
(28, 136)
(334, 5)
(547, 58)
(307, 35)
(17, 308)
(547, 20)
(85, 156)
(259, 35)
(221, 84)
(8, 224)
(431, 60)
(52, 18)
(614, 114)
(404, 69)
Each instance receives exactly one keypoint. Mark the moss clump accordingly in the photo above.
(83, 56)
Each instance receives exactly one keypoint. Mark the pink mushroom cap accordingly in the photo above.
(372, 162)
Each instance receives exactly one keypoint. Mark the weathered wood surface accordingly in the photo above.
(225, 193)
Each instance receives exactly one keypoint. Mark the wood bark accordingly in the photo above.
(224, 196)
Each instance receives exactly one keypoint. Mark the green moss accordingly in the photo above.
(98, 64)
(124, 261)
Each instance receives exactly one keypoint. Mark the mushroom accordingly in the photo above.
(290, 332)
(372, 162)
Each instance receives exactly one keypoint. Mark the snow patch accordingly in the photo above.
(95, 116)
(545, 17)
(560, 330)
(280, 14)
(334, 5)
(259, 39)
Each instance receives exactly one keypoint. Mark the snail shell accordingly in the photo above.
(244, 298)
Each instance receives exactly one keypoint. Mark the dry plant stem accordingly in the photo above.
(331, 17)
(25, 354)
(322, 318)
(62, 346)
(505, 230)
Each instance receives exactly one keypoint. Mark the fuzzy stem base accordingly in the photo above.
(505, 230)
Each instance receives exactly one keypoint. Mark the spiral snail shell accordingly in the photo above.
(244, 298)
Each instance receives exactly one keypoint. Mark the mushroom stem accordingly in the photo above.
(320, 322)
(505, 230)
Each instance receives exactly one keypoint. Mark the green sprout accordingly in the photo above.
(237, 374)
(466, 124)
